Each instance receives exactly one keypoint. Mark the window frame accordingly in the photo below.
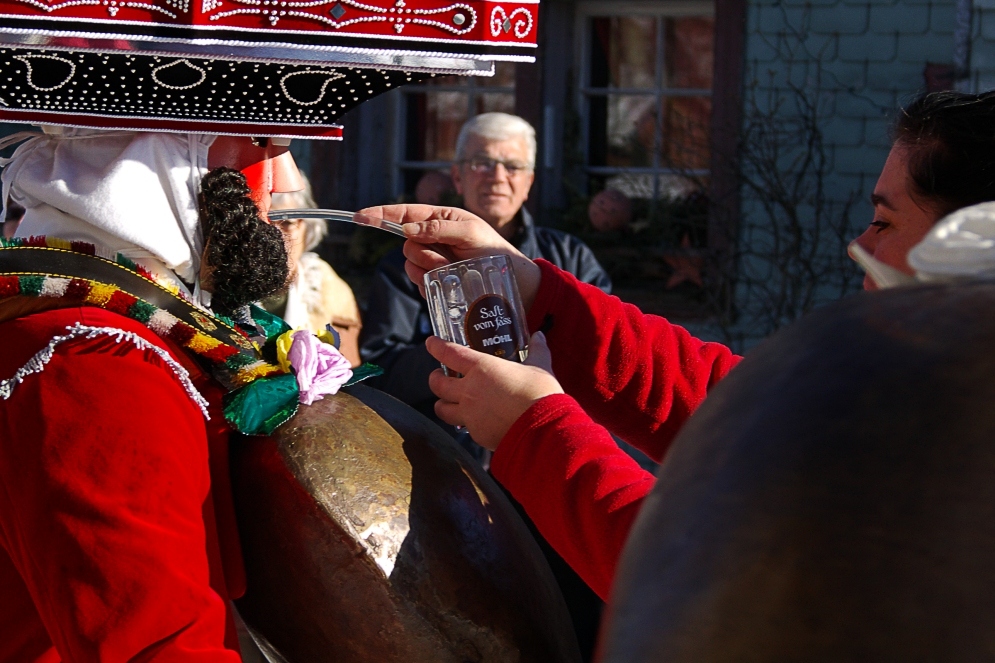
(473, 89)
(658, 9)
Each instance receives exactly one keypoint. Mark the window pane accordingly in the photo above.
(623, 52)
(621, 130)
(495, 102)
(504, 76)
(689, 52)
(685, 132)
(433, 123)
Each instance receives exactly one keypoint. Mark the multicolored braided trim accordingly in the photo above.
(241, 369)
(244, 369)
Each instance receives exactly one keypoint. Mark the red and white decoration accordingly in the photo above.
(467, 21)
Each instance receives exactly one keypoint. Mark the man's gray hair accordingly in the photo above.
(497, 126)
(315, 229)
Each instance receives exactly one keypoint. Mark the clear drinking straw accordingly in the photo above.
(337, 215)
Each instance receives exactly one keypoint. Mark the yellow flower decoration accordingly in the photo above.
(283, 343)
(326, 337)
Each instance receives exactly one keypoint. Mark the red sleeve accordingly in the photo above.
(639, 376)
(103, 480)
(577, 486)
(636, 374)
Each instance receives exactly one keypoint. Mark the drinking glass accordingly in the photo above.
(476, 303)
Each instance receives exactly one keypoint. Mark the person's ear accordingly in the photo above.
(457, 177)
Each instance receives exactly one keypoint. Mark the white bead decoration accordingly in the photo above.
(178, 63)
(26, 59)
(502, 22)
(147, 86)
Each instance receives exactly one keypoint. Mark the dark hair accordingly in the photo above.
(246, 256)
(950, 137)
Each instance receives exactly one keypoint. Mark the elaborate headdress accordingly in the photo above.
(243, 67)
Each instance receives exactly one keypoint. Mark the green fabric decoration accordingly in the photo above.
(260, 406)
(271, 324)
(281, 417)
(360, 373)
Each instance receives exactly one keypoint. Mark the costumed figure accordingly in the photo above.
(135, 366)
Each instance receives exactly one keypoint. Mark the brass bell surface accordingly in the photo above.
(369, 535)
(833, 499)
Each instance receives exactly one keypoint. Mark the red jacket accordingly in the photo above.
(117, 534)
(636, 375)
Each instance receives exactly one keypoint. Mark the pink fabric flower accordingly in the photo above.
(320, 368)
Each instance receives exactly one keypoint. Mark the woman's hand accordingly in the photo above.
(493, 392)
(438, 236)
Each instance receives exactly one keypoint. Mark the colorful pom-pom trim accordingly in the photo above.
(241, 368)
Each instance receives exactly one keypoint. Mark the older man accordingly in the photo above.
(494, 172)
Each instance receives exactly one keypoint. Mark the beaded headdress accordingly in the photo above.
(242, 67)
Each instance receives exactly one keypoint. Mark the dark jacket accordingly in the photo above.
(397, 323)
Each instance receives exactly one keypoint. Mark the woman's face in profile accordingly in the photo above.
(900, 221)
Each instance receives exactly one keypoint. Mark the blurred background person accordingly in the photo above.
(434, 188)
(494, 171)
(317, 296)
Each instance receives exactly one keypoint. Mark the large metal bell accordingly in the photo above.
(832, 500)
(369, 535)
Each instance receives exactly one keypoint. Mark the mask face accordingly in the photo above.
(268, 168)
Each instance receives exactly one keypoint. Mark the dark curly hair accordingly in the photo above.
(950, 138)
(246, 256)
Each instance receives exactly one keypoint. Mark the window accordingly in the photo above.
(432, 113)
(645, 96)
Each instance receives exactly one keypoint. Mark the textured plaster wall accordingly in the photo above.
(983, 46)
(864, 58)
(855, 62)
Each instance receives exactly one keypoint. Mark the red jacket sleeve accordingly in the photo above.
(577, 486)
(638, 375)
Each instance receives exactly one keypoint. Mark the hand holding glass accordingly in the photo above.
(476, 303)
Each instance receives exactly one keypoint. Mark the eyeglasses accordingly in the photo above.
(286, 225)
(487, 165)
